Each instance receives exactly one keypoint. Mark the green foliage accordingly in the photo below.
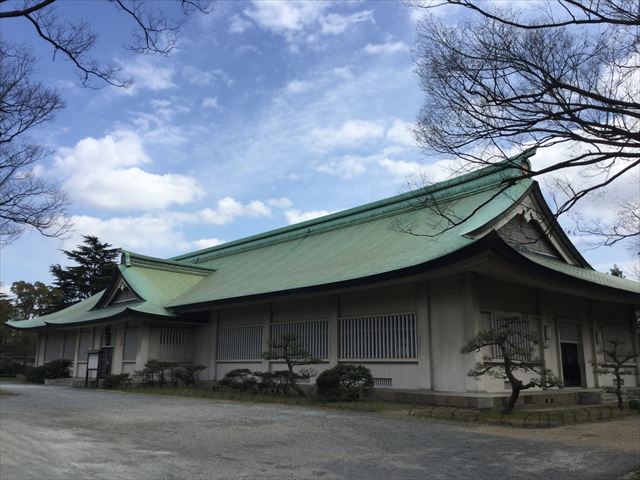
(518, 350)
(241, 379)
(186, 374)
(634, 404)
(33, 299)
(10, 368)
(94, 266)
(288, 349)
(116, 381)
(344, 383)
(14, 343)
(35, 374)
(154, 373)
(55, 369)
(616, 271)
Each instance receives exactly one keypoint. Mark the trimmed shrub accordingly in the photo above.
(57, 368)
(344, 383)
(187, 374)
(634, 404)
(10, 368)
(239, 379)
(35, 374)
(154, 373)
(116, 381)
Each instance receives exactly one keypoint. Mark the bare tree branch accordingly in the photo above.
(502, 81)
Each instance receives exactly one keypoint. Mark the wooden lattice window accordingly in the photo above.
(239, 343)
(175, 345)
(311, 335)
(378, 337)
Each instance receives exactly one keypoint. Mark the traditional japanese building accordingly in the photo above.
(398, 285)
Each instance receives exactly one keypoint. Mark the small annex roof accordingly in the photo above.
(155, 282)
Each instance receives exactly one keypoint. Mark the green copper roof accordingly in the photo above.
(589, 275)
(381, 237)
(385, 237)
(156, 286)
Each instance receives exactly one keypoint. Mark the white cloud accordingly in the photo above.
(210, 102)
(206, 243)
(333, 23)
(197, 76)
(401, 132)
(347, 167)
(239, 24)
(350, 133)
(228, 209)
(242, 49)
(145, 233)
(104, 173)
(385, 48)
(297, 216)
(343, 72)
(282, 202)
(298, 86)
(416, 174)
(282, 17)
(293, 19)
(148, 74)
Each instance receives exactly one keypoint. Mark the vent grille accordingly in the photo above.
(381, 382)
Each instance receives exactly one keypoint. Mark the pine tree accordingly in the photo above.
(95, 263)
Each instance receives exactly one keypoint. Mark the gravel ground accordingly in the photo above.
(49, 433)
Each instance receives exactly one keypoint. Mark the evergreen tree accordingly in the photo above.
(33, 299)
(616, 271)
(95, 263)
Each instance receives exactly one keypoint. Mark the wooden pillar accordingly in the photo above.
(423, 334)
(213, 350)
(333, 339)
(142, 355)
(472, 325)
(76, 353)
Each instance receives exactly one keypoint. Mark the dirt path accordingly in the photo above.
(622, 434)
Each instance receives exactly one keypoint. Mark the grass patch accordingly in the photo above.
(524, 418)
(10, 380)
(6, 393)
(257, 398)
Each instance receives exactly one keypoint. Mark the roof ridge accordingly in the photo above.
(462, 185)
(129, 259)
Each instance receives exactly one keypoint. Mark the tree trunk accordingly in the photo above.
(515, 394)
(292, 381)
(619, 390)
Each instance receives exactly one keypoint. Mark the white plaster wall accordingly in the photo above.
(447, 335)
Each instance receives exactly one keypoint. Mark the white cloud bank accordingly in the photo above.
(105, 173)
(349, 133)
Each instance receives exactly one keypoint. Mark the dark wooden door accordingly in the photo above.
(104, 362)
(570, 365)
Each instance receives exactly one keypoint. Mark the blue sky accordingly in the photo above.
(269, 113)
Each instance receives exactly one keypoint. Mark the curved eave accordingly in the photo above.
(126, 313)
(491, 242)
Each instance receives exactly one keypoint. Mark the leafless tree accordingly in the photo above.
(503, 80)
(29, 199)
(26, 199)
(617, 360)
